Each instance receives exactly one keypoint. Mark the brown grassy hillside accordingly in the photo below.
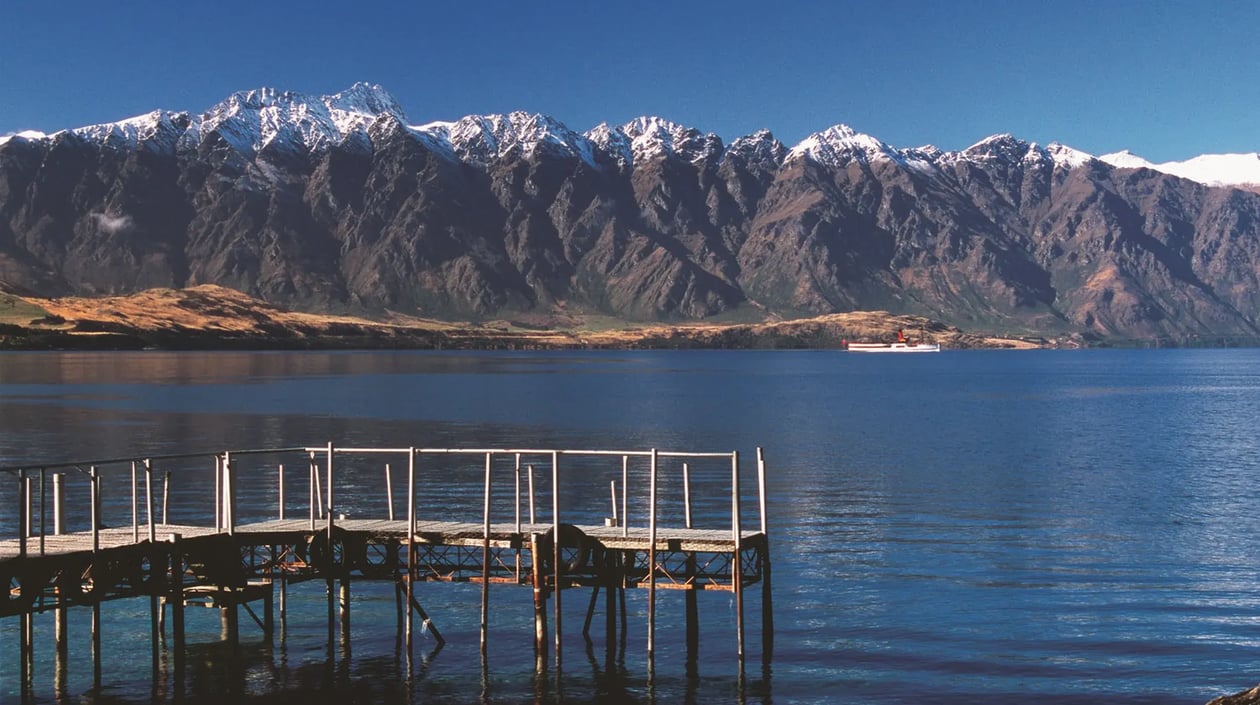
(213, 316)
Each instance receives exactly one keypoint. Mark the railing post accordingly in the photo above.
(311, 478)
(135, 511)
(389, 491)
(687, 495)
(625, 490)
(148, 499)
(331, 503)
(280, 497)
(24, 520)
(612, 489)
(96, 509)
(43, 529)
(166, 496)
(518, 494)
(533, 519)
(218, 493)
(59, 503)
(229, 494)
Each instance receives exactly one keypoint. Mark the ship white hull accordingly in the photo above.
(894, 347)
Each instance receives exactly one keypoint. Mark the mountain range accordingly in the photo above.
(340, 203)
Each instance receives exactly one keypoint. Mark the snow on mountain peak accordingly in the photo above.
(653, 136)
(23, 135)
(839, 145)
(365, 99)
(1126, 160)
(761, 146)
(1009, 148)
(360, 105)
(159, 130)
(1066, 156)
(1004, 146)
(253, 120)
(613, 142)
(1209, 169)
(479, 139)
(265, 118)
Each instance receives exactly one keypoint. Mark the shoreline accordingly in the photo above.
(216, 318)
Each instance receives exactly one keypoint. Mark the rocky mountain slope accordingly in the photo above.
(337, 203)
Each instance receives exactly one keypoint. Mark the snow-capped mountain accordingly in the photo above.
(340, 201)
(838, 145)
(481, 139)
(1210, 169)
(269, 120)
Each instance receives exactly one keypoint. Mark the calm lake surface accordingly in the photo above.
(968, 527)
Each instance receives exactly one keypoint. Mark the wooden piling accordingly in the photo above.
(516, 506)
(175, 598)
(344, 602)
(767, 600)
(26, 650)
(651, 630)
(691, 607)
(609, 574)
(61, 655)
(737, 571)
(329, 581)
(555, 556)
(96, 645)
(540, 605)
(61, 638)
(411, 540)
(485, 562)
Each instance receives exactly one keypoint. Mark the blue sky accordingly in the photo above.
(1168, 80)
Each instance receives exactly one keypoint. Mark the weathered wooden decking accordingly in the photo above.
(452, 533)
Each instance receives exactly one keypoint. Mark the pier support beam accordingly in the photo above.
(61, 659)
(737, 558)
(26, 622)
(344, 601)
(96, 645)
(540, 606)
(767, 599)
(485, 565)
(175, 598)
(611, 560)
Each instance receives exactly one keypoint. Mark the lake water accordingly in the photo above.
(968, 527)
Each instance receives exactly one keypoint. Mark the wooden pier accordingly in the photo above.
(549, 520)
